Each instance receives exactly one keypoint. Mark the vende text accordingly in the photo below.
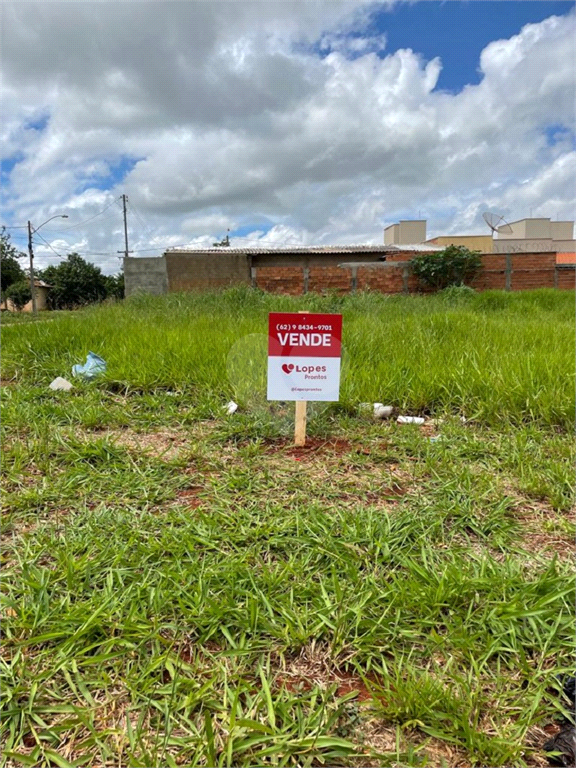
(305, 339)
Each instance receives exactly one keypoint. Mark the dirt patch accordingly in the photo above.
(538, 543)
(165, 444)
(314, 445)
(393, 491)
(535, 738)
(190, 496)
(537, 540)
(429, 429)
(313, 667)
(7, 382)
(345, 683)
(439, 753)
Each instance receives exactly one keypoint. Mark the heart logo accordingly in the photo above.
(287, 367)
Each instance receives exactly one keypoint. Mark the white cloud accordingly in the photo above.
(232, 117)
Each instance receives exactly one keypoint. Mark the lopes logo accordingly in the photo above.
(289, 367)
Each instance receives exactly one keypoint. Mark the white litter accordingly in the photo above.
(60, 384)
(379, 410)
(410, 420)
(231, 408)
(382, 411)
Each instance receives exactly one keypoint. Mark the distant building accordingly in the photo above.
(482, 243)
(42, 289)
(523, 236)
(405, 233)
(535, 235)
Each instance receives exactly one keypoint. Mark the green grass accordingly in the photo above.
(22, 318)
(182, 588)
(490, 355)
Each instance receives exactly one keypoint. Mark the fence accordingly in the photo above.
(510, 272)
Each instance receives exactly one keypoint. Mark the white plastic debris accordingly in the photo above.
(463, 419)
(60, 384)
(382, 411)
(379, 410)
(231, 408)
(410, 420)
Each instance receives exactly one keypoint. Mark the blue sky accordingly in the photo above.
(458, 31)
(231, 118)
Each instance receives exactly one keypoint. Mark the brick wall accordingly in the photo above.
(532, 270)
(516, 272)
(493, 274)
(387, 278)
(328, 279)
(279, 273)
(279, 279)
(566, 277)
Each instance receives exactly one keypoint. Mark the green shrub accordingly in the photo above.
(19, 293)
(453, 266)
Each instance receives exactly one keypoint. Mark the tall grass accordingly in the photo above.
(183, 593)
(491, 355)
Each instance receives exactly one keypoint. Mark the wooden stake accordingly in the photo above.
(300, 423)
(300, 414)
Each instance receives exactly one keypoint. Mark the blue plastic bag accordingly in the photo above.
(91, 368)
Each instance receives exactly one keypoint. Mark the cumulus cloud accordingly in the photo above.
(288, 115)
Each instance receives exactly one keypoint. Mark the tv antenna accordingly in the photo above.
(497, 223)
(225, 243)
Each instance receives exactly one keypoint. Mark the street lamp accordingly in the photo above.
(31, 252)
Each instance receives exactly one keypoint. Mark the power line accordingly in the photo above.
(80, 223)
(49, 246)
(67, 229)
(140, 219)
(18, 237)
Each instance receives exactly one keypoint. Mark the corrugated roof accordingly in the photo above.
(318, 249)
(375, 264)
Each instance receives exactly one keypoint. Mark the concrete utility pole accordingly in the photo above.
(32, 283)
(126, 251)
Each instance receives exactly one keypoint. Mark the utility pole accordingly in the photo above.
(32, 283)
(126, 251)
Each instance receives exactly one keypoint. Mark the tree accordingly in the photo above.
(19, 293)
(10, 270)
(74, 283)
(453, 266)
(115, 286)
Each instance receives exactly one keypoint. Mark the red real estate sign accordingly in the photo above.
(304, 351)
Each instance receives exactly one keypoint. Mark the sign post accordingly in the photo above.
(304, 351)
(300, 409)
(300, 423)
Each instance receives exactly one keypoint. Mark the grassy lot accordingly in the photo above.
(182, 587)
(22, 318)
